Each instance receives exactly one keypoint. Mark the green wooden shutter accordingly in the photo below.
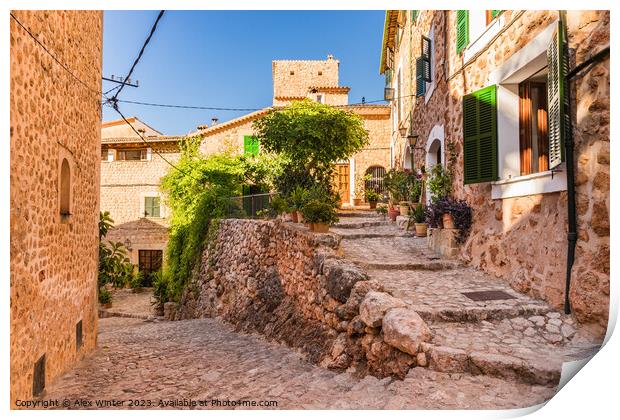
(495, 13)
(462, 30)
(557, 62)
(480, 136)
(426, 57)
(250, 146)
(414, 16)
(420, 83)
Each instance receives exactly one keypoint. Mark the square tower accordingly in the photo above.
(292, 79)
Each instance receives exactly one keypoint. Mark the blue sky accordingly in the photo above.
(223, 58)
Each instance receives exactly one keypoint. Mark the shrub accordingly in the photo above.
(399, 184)
(382, 210)
(105, 296)
(459, 209)
(439, 182)
(161, 294)
(320, 211)
(297, 198)
(418, 213)
(372, 195)
(136, 281)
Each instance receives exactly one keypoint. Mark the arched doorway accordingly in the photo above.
(435, 152)
(377, 173)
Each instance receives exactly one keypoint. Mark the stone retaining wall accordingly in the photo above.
(288, 284)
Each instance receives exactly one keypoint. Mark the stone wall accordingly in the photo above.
(290, 285)
(54, 259)
(504, 239)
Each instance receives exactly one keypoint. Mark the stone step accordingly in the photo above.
(346, 224)
(352, 234)
(431, 265)
(359, 213)
(528, 349)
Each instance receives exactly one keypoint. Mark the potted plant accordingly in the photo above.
(440, 186)
(360, 183)
(372, 197)
(419, 219)
(382, 210)
(460, 213)
(415, 192)
(320, 214)
(297, 198)
(105, 297)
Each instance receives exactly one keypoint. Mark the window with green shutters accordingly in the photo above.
(462, 30)
(480, 136)
(151, 206)
(420, 83)
(495, 13)
(414, 16)
(423, 67)
(250, 146)
(557, 99)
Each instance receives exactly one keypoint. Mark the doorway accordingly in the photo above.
(340, 181)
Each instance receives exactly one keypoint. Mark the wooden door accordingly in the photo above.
(341, 182)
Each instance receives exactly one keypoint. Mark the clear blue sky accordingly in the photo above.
(223, 58)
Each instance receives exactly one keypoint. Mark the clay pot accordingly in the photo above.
(319, 227)
(357, 202)
(294, 217)
(404, 208)
(107, 305)
(392, 213)
(448, 221)
(420, 229)
(373, 204)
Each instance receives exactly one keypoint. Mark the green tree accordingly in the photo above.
(311, 136)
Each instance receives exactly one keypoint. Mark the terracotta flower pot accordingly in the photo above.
(357, 202)
(320, 227)
(373, 204)
(420, 229)
(294, 217)
(448, 221)
(404, 208)
(392, 213)
(107, 305)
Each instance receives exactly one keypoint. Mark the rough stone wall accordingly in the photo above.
(305, 74)
(504, 235)
(289, 285)
(124, 184)
(229, 139)
(54, 260)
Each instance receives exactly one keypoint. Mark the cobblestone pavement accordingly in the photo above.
(204, 359)
(523, 329)
(127, 303)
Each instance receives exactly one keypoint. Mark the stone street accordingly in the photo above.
(204, 359)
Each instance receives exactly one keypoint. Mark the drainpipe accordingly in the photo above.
(569, 147)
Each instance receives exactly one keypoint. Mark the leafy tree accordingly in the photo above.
(114, 266)
(311, 136)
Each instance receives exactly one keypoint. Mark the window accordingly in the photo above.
(131, 154)
(149, 263)
(424, 67)
(151, 207)
(480, 136)
(414, 16)
(375, 179)
(462, 30)
(320, 98)
(65, 188)
(320, 73)
(533, 128)
(250, 146)
(491, 14)
(104, 153)
(292, 73)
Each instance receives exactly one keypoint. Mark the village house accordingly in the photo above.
(54, 191)
(131, 172)
(481, 92)
(317, 80)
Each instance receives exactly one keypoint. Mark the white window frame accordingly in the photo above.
(507, 77)
(480, 34)
(162, 208)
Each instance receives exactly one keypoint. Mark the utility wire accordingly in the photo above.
(213, 108)
(64, 66)
(148, 39)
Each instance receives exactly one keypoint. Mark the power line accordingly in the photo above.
(64, 66)
(214, 108)
(148, 39)
(115, 107)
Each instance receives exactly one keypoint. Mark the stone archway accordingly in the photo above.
(435, 151)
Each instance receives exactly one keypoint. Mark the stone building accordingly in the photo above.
(54, 182)
(131, 172)
(480, 92)
(316, 80)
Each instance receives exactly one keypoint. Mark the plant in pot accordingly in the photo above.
(382, 210)
(297, 198)
(105, 297)
(415, 192)
(419, 218)
(320, 214)
(460, 212)
(440, 186)
(360, 183)
(372, 197)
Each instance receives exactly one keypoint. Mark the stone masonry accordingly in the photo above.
(502, 241)
(55, 124)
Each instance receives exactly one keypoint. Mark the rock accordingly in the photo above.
(568, 331)
(538, 320)
(341, 277)
(404, 329)
(356, 327)
(520, 324)
(552, 328)
(339, 346)
(448, 359)
(553, 338)
(555, 321)
(421, 359)
(375, 305)
(529, 332)
(553, 315)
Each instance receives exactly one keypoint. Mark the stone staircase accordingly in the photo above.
(478, 323)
